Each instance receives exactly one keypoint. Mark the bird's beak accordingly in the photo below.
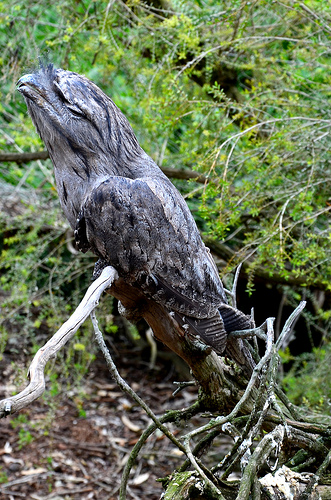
(25, 81)
(31, 88)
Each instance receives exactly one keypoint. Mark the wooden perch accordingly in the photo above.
(207, 368)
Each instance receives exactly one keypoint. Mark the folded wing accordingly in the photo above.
(148, 234)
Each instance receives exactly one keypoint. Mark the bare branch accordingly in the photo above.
(200, 471)
(170, 416)
(24, 157)
(290, 322)
(234, 285)
(125, 386)
(316, 17)
(233, 293)
(43, 155)
(221, 420)
(184, 174)
(250, 333)
(36, 371)
(267, 445)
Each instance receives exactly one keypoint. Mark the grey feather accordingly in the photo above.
(121, 205)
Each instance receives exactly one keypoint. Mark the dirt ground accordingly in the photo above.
(76, 447)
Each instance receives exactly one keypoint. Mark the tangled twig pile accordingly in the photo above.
(269, 432)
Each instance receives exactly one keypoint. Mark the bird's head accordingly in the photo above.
(75, 118)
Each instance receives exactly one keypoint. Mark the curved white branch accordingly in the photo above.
(36, 371)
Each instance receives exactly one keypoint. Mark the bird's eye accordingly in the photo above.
(74, 110)
(59, 91)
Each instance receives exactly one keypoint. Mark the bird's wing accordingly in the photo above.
(144, 229)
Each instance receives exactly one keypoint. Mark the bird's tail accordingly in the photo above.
(210, 330)
(234, 319)
(214, 332)
(236, 348)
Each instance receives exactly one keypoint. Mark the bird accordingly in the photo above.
(123, 208)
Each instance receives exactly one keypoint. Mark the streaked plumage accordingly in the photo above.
(122, 207)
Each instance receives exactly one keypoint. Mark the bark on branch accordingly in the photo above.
(24, 157)
(206, 366)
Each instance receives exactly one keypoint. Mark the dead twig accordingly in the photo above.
(125, 386)
(271, 442)
(36, 386)
(170, 416)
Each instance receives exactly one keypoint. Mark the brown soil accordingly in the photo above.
(75, 445)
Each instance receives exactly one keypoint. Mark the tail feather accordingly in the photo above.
(210, 330)
(234, 319)
(213, 331)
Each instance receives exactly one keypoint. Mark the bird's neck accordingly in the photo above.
(76, 178)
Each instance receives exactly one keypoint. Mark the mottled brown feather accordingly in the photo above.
(121, 205)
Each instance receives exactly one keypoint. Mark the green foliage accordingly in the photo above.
(3, 476)
(309, 381)
(79, 401)
(3, 339)
(37, 270)
(24, 437)
(19, 420)
(221, 88)
(21, 423)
